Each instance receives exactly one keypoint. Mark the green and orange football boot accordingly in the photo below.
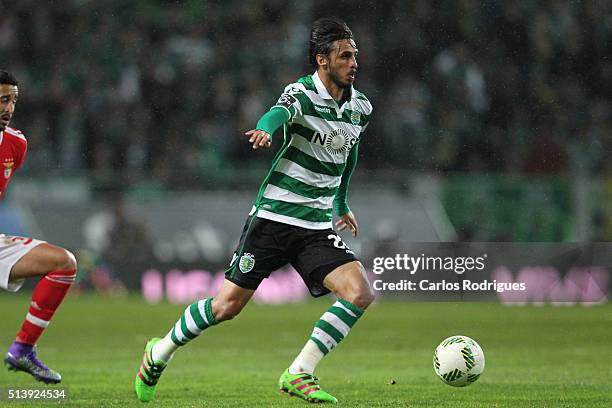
(148, 374)
(305, 387)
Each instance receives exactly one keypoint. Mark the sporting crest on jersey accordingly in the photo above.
(8, 167)
(246, 263)
(355, 117)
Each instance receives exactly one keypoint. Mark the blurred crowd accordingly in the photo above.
(164, 90)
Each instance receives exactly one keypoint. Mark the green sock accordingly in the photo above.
(197, 317)
(329, 331)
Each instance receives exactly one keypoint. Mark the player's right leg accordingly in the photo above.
(198, 316)
(22, 258)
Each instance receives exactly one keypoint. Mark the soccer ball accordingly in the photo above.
(458, 361)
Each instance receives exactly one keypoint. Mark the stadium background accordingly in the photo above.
(492, 123)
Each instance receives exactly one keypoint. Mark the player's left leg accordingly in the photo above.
(350, 285)
(198, 316)
(57, 267)
(257, 255)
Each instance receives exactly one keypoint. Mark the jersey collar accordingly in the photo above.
(322, 91)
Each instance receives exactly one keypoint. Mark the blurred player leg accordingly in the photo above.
(58, 268)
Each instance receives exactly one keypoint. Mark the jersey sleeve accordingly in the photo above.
(364, 127)
(366, 110)
(290, 100)
(272, 120)
(21, 148)
(340, 200)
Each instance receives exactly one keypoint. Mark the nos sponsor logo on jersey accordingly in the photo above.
(336, 142)
(247, 263)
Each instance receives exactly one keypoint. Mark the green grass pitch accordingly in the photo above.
(535, 356)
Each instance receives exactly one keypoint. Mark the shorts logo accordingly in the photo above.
(355, 117)
(247, 263)
(234, 256)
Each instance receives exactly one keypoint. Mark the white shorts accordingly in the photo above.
(12, 249)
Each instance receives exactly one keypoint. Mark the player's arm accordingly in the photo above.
(261, 136)
(347, 219)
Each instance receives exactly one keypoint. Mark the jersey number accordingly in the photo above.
(338, 243)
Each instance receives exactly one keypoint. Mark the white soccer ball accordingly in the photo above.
(458, 361)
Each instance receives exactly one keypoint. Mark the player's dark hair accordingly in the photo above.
(6, 78)
(324, 32)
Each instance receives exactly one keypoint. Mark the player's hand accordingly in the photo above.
(259, 138)
(349, 221)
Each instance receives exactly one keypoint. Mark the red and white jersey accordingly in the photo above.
(13, 147)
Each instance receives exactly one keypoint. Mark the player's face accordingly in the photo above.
(343, 63)
(8, 100)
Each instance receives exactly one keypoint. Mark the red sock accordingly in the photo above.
(48, 295)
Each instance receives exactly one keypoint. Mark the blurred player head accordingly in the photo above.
(333, 51)
(8, 98)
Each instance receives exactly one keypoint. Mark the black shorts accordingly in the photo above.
(266, 246)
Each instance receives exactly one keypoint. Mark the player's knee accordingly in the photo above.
(65, 260)
(226, 309)
(361, 298)
(360, 294)
(356, 290)
(56, 259)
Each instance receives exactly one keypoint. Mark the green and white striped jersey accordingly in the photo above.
(306, 173)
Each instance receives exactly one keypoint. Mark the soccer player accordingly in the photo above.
(22, 258)
(323, 118)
